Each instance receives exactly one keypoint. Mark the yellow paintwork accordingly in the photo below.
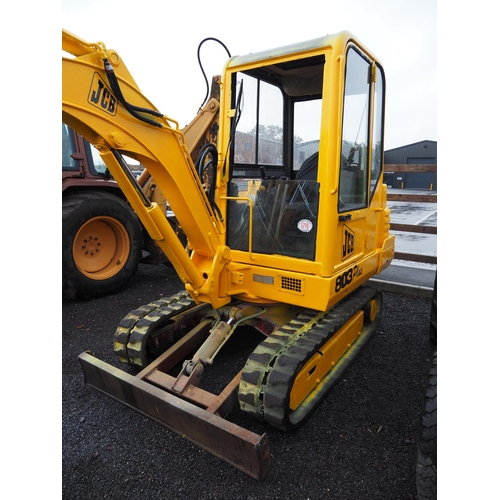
(214, 272)
(313, 372)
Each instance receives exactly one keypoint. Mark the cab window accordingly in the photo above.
(378, 123)
(273, 189)
(355, 130)
(259, 135)
(68, 148)
(98, 164)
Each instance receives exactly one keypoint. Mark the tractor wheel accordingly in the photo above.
(101, 244)
(427, 443)
(433, 323)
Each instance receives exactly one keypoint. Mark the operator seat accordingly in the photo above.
(308, 171)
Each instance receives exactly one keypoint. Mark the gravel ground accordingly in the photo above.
(359, 444)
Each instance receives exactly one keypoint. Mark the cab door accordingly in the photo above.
(360, 162)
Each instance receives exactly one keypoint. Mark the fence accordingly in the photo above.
(410, 228)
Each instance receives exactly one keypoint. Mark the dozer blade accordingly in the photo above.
(237, 446)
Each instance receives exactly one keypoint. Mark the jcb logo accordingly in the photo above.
(348, 243)
(101, 97)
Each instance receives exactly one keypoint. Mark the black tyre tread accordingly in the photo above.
(433, 322)
(74, 284)
(427, 443)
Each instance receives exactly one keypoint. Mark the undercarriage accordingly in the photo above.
(294, 357)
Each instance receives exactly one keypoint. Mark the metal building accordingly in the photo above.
(412, 167)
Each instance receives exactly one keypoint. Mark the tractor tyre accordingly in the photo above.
(427, 442)
(433, 322)
(101, 244)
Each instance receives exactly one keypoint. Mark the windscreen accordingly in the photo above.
(274, 193)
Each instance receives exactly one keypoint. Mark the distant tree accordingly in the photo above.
(274, 133)
(297, 139)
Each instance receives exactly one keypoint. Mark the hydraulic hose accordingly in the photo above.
(201, 66)
(207, 159)
(133, 110)
(206, 166)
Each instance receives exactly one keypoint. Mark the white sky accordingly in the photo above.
(159, 43)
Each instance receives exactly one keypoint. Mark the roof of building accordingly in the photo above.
(422, 152)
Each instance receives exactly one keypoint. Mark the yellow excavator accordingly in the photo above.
(286, 220)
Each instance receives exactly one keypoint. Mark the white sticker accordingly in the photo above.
(305, 225)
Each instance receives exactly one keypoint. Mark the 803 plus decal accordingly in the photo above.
(346, 277)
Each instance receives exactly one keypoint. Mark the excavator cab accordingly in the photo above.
(304, 165)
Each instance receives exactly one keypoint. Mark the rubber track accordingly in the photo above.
(132, 331)
(270, 370)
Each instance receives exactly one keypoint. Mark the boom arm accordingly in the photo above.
(107, 120)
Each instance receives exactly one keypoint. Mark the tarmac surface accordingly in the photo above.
(360, 443)
(407, 277)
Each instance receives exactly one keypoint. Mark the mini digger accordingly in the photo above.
(284, 220)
